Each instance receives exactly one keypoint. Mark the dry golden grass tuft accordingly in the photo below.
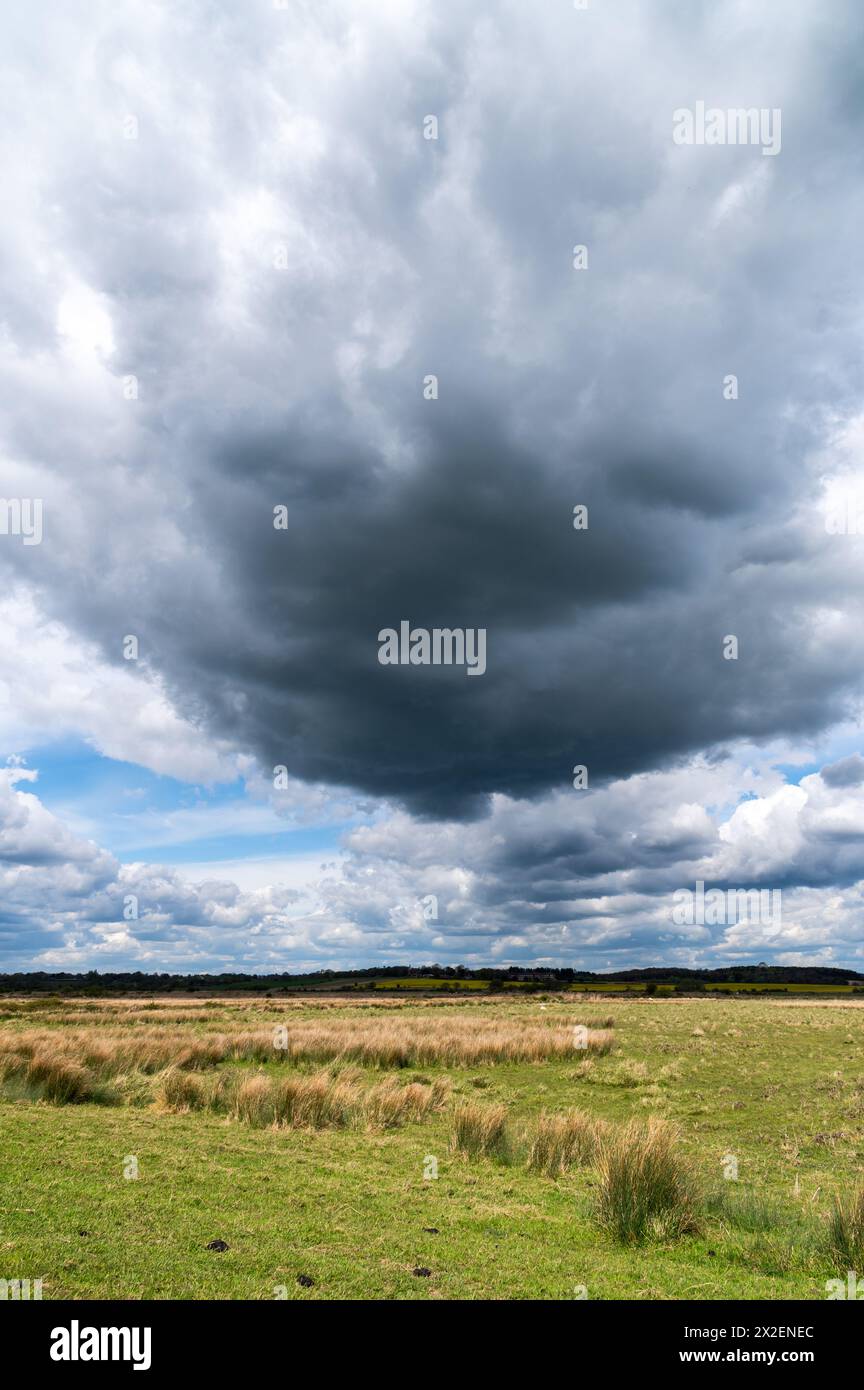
(59, 1080)
(316, 1102)
(565, 1141)
(480, 1130)
(435, 1041)
(331, 1099)
(180, 1090)
(390, 1103)
(426, 1040)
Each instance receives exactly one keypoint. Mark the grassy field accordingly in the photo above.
(429, 983)
(475, 1147)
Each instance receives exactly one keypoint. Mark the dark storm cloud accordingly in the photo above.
(848, 772)
(302, 386)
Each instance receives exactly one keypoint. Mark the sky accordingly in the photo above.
(321, 317)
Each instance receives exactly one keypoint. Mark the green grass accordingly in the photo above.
(623, 987)
(429, 983)
(779, 1086)
(710, 987)
(785, 988)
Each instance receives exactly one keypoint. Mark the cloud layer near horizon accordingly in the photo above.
(543, 883)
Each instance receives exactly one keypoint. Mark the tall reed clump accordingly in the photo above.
(13, 1064)
(391, 1103)
(480, 1129)
(315, 1102)
(331, 1099)
(436, 1041)
(253, 1101)
(179, 1090)
(565, 1141)
(58, 1079)
(391, 1042)
(846, 1231)
(645, 1186)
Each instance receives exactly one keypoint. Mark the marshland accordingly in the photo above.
(553, 1146)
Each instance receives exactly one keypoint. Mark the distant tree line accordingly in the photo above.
(136, 982)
